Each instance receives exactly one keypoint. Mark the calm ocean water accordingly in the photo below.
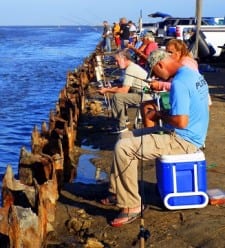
(34, 63)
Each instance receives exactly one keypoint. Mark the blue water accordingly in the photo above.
(34, 63)
(86, 172)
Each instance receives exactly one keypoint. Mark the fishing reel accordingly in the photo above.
(141, 237)
(144, 233)
(147, 90)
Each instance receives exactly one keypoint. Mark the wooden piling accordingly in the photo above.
(29, 202)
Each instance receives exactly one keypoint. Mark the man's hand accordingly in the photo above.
(151, 115)
(130, 45)
(154, 84)
(177, 121)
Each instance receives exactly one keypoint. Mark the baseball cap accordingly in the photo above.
(157, 56)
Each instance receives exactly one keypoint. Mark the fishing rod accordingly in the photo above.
(96, 17)
(144, 234)
(144, 80)
(72, 20)
(82, 20)
(101, 78)
(107, 95)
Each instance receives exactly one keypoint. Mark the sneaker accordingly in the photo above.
(119, 130)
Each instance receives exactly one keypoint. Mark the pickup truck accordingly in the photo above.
(214, 35)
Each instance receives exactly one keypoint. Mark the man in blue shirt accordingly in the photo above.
(188, 119)
(188, 97)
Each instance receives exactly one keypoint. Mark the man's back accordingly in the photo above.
(125, 32)
(189, 96)
(135, 82)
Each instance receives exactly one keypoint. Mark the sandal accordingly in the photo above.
(125, 218)
(110, 200)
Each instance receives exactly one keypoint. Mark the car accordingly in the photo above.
(215, 20)
(152, 27)
(167, 27)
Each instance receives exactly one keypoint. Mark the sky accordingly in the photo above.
(94, 12)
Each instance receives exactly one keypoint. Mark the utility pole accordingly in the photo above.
(198, 16)
(140, 21)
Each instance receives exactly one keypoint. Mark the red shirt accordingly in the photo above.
(148, 49)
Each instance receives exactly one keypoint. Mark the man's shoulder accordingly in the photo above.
(187, 76)
(137, 73)
(185, 69)
(190, 62)
(134, 66)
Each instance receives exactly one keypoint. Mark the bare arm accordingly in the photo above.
(138, 51)
(160, 85)
(177, 121)
(123, 89)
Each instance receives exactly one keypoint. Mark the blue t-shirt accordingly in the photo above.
(189, 96)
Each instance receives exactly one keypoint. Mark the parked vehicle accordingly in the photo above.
(168, 26)
(150, 27)
(213, 35)
(215, 20)
(153, 26)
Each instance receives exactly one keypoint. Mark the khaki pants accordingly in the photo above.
(133, 146)
(119, 102)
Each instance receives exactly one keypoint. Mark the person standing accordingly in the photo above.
(106, 35)
(124, 32)
(116, 35)
(132, 29)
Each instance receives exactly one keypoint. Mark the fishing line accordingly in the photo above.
(94, 15)
(147, 80)
(143, 233)
(72, 20)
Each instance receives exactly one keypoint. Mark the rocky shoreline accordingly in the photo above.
(78, 219)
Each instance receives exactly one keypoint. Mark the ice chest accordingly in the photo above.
(182, 180)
